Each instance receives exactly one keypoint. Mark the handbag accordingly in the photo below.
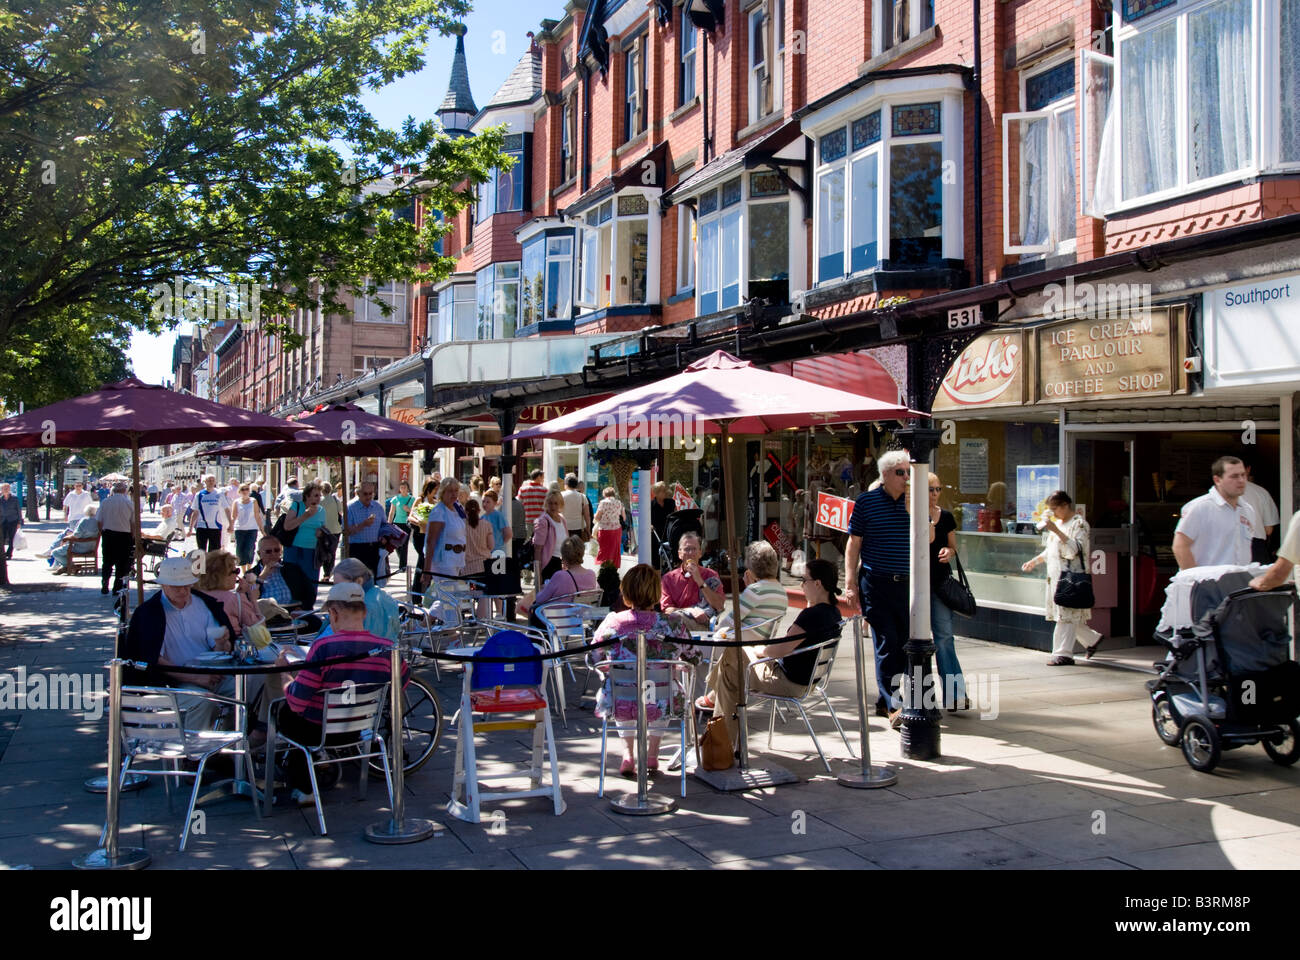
(1074, 589)
(280, 533)
(716, 751)
(955, 592)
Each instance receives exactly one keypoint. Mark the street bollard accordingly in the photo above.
(872, 776)
(109, 855)
(644, 804)
(398, 829)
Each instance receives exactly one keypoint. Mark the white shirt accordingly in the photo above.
(574, 515)
(115, 513)
(211, 509)
(186, 634)
(75, 503)
(1220, 533)
(1266, 514)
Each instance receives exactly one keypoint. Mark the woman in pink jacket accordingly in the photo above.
(549, 533)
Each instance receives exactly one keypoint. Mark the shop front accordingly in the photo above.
(1101, 408)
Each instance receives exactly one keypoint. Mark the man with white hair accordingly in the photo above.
(11, 518)
(880, 540)
(382, 615)
(118, 544)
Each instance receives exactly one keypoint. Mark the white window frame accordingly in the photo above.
(951, 152)
(769, 17)
(1125, 35)
(686, 85)
(593, 236)
(365, 309)
(685, 248)
(1062, 238)
(546, 239)
(723, 217)
(914, 24)
(636, 83)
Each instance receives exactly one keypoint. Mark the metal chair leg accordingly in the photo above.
(816, 743)
(315, 789)
(844, 736)
(771, 726)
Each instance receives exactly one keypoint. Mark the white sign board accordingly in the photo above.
(973, 463)
(1250, 333)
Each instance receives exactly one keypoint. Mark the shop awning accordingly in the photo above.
(857, 372)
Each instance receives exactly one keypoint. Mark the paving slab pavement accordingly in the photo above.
(1060, 770)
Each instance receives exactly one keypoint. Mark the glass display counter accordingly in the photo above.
(992, 562)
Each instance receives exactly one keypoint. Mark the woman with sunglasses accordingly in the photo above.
(943, 547)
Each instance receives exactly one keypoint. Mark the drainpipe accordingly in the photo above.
(976, 82)
(704, 94)
(586, 131)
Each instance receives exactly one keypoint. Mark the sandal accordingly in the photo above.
(705, 703)
(1089, 651)
(1061, 662)
(627, 768)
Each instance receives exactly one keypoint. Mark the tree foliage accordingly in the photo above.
(215, 141)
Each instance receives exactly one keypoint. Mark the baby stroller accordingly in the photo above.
(679, 522)
(1228, 680)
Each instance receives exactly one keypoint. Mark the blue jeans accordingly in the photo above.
(304, 558)
(945, 653)
(885, 608)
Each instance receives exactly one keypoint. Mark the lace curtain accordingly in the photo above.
(1149, 150)
(1219, 70)
(1289, 135)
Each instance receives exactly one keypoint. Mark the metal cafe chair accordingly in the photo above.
(566, 625)
(153, 728)
(821, 673)
(349, 722)
(673, 680)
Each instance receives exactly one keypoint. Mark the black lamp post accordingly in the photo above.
(920, 727)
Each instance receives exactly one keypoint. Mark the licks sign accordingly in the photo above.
(989, 373)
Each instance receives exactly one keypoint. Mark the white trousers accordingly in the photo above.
(1067, 634)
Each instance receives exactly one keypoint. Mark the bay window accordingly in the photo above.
(457, 314)
(547, 283)
(743, 246)
(496, 292)
(685, 248)
(504, 190)
(614, 245)
(392, 294)
(1187, 78)
(883, 175)
(766, 59)
(1038, 146)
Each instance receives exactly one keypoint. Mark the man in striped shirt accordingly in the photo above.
(299, 716)
(533, 496)
(763, 603)
(880, 538)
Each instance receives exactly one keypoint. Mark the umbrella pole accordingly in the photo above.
(135, 518)
(345, 506)
(728, 484)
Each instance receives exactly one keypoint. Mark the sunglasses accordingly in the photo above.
(936, 489)
(901, 473)
(272, 553)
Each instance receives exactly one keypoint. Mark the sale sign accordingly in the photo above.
(778, 539)
(682, 499)
(834, 512)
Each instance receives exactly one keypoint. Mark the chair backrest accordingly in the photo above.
(352, 710)
(589, 598)
(821, 671)
(759, 629)
(564, 619)
(668, 678)
(507, 643)
(152, 718)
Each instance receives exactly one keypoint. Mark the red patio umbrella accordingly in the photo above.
(344, 430)
(722, 395)
(132, 414)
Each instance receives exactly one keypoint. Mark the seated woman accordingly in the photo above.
(300, 714)
(763, 599)
(222, 581)
(663, 635)
(572, 578)
(80, 540)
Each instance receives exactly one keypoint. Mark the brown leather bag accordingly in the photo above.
(716, 751)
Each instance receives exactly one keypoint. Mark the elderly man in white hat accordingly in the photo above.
(176, 626)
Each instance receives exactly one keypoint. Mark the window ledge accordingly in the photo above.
(682, 297)
(900, 50)
(567, 184)
(632, 144)
(684, 109)
(761, 123)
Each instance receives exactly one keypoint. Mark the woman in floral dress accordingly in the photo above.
(664, 637)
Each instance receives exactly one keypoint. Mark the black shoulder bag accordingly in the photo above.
(1074, 589)
(955, 592)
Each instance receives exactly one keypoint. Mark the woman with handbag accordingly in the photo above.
(1066, 541)
(943, 550)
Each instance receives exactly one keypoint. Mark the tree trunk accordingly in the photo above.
(33, 507)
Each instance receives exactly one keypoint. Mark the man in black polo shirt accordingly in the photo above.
(879, 536)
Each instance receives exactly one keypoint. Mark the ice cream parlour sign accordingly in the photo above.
(988, 373)
(1110, 358)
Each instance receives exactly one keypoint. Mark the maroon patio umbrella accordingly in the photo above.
(344, 430)
(132, 414)
(720, 394)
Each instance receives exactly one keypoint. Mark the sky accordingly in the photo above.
(496, 37)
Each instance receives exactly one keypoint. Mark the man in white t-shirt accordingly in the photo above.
(1266, 516)
(577, 509)
(75, 500)
(211, 512)
(1217, 528)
